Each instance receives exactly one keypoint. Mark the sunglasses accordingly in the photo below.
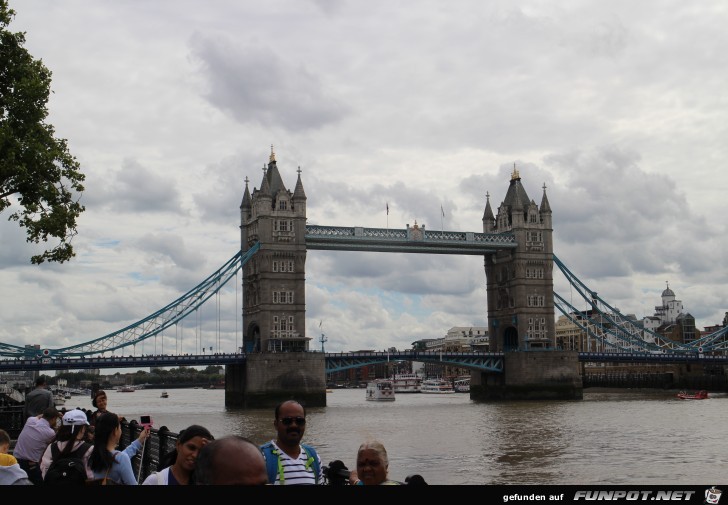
(287, 421)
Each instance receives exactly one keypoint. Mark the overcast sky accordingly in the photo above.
(618, 108)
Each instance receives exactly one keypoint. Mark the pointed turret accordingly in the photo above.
(545, 207)
(275, 181)
(298, 193)
(245, 204)
(488, 217)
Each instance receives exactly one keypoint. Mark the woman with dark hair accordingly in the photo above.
(105, 460)
(68, 439)
(178, 465)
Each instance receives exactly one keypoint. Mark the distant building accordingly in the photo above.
(670, 321)
(589, 331)
(457, 339)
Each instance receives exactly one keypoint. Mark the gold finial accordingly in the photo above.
(272, 154)
(246, 181)
(515, 175)
(299, 170)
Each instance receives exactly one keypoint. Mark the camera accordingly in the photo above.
(336, 474)
(146, 421)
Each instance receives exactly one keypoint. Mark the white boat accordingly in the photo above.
(164, 395)
(462, 385)
(407, 383)
(125, 389)
(437, 386)
(58, 399)
(67, 396)
(380, 390)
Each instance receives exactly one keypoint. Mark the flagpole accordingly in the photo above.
(387, 215)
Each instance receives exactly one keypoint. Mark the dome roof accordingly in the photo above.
(668, 291)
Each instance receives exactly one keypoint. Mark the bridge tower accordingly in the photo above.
(520, 287)
(520, 291)
(274, 300)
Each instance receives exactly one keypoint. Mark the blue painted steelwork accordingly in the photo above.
(152, 324)
(483, 361)
(606, 324)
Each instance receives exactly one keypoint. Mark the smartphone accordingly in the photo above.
(146, 421)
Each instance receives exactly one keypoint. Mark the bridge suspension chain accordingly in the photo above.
(154, 323)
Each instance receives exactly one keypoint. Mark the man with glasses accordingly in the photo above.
(288, 461)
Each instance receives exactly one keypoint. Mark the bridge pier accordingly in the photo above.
(531, 375)
(266, 379)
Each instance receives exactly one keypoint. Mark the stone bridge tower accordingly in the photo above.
(274, 291)
(520, 286)
(274, 301)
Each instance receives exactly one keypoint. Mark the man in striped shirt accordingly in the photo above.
(288, 461)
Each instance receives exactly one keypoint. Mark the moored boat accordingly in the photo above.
(380, 390)
(700, 395)
(462, 385)
(437, 386)
(406, 383)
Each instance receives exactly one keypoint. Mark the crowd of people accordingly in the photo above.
(55, 447)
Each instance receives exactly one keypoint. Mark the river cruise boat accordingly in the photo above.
(462, 385)
(407, 383)
(437, 386)
(380, 390)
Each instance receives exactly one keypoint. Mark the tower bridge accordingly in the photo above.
(516, 244)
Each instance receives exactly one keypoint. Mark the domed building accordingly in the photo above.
(670, 321)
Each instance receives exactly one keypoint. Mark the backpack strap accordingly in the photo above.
(271, 460)
(311, 453)
(80, 451)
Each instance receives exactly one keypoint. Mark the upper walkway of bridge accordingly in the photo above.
(410, 240)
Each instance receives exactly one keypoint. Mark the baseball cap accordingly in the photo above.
(75, 418)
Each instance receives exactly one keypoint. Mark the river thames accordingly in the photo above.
(615, 437)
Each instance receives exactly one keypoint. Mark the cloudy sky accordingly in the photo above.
(619, 108)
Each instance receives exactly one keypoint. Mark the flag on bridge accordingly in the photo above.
(387, 208)
(442, 211)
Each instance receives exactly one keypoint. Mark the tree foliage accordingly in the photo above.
(36, 170)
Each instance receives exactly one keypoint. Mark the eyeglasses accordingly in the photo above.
(287, 421)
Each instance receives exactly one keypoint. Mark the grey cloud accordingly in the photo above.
(134, 188)
(255, 85)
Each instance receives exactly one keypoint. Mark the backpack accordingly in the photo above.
(271, 460)
(68, 470)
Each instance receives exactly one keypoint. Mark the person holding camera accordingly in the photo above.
(105, 461)
(288, 461)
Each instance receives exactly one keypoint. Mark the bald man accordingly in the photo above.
(231, 461)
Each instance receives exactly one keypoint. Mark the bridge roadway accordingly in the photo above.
(483, 361)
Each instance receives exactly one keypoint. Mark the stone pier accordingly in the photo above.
(266, 379)
(531, 375)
